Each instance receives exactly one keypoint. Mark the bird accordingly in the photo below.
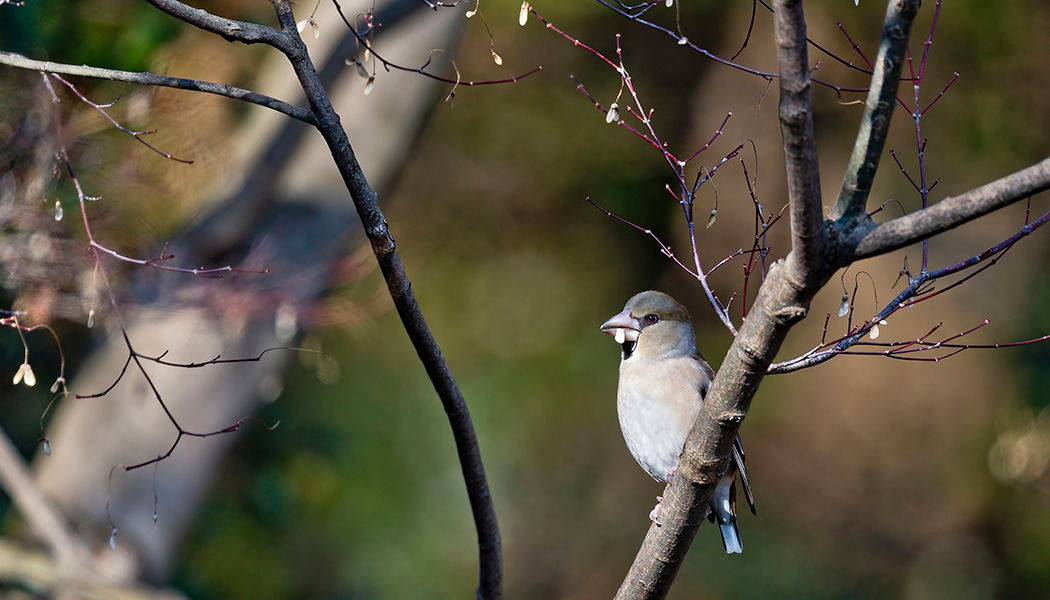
(663, 381)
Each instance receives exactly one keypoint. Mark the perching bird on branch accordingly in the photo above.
(663, 380)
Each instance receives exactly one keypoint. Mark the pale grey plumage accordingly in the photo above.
(663, 380)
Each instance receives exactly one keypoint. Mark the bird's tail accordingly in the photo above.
(723, 512)
(731, 537)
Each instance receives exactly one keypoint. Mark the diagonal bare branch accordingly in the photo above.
(783, 300)
(490, 586)
(950, 212)
(875, 124)
(38, 510)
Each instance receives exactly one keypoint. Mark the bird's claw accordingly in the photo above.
(655, 513)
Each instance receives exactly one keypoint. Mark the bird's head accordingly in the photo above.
(654, 324)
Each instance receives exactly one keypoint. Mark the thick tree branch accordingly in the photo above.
(800, 144)
(783, 300)
(875, 124)
(947, 214)
(219, 89)
(366, 202)
(229, 29)
(780, 304)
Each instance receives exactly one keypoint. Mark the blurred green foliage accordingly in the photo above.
(113, 35)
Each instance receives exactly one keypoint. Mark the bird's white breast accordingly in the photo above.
(657, 402)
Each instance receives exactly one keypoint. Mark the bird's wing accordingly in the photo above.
(738, 449)
(738, 461)
(707, 375)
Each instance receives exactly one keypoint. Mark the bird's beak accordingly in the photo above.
(623, 327)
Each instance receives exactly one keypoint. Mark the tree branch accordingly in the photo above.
(383, 246)
(779, 305)
(875, 124)
(219, 89)
(800, 143)
(948, 213)
(228, 29)
(783, 300)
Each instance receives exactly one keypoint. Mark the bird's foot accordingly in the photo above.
(655, 514)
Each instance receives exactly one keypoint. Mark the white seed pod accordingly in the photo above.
(25, 374)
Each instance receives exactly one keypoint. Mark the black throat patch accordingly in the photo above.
(628, 349)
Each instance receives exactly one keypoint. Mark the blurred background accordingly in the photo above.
(874, 478)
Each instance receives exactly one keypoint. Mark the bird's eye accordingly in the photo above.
(651, 319)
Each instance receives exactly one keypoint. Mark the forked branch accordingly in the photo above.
(783, 300)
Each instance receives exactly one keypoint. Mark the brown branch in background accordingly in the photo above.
(17, 60)
(26, 569)
(41, 515)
